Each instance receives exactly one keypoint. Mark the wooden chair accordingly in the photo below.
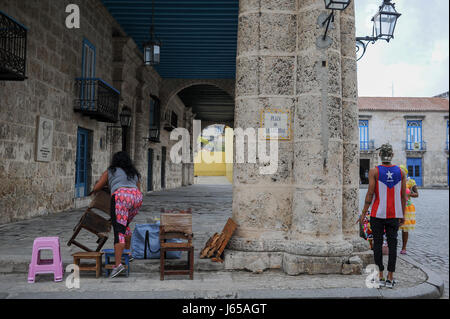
(176, 226)
(93, 222)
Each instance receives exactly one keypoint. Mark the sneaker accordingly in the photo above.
(116, 271)
(380, 283)
(390, 284)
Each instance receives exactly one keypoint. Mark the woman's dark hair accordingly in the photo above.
(122, 160)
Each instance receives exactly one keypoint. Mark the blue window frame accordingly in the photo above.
(364, 135)
(414, 134)
(415, 169)
(150, 170)
(88, 71)
(81, 173)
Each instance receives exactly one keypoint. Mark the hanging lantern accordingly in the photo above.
(152, 52)
(337, 4)
(125, 117)
(385, 21)
(152, 48)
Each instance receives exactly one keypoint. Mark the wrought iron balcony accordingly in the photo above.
(13, 49)
(367, 146)
(97, 99)
(420, 146)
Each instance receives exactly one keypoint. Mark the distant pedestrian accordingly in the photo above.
(387, 183)
(126, 199)
(410, 213)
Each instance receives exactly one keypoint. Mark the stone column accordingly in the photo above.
(316, 230)
(294, 218)
(350, 187)
(262, 204)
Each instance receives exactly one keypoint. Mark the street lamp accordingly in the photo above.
(152, 48)
(337, 4)
(125, 123)
(384, 23)
(385, 20)
(326, 20)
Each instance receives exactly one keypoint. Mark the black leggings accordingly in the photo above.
(117, 228)
(379, 225)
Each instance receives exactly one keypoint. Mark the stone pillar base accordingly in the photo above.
(359, 244)
(293, 265)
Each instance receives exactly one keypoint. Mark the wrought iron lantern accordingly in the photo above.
(153, 134)
(337, 4)
(152, 51)
(385, 21)
(125, 117)
(152, 48)
(325, 20)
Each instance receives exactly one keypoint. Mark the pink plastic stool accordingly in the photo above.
(46, 266)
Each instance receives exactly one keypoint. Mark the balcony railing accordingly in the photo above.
(13, 49)
(416, 146)
(367, 145)
(97, 99)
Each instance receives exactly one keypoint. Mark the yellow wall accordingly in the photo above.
(210, 169)
(213, 169)
(216, 165)
(229, 171)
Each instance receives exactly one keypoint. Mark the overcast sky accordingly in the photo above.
(416, 61)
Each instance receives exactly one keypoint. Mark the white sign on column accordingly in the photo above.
(276, 120)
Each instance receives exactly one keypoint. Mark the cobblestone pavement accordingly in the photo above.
(211, 208)
(428, 243)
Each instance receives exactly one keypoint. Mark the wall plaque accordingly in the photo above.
(276, 120)
(44, 143)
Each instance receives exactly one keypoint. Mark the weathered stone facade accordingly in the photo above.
(301, 219)
(54, 61)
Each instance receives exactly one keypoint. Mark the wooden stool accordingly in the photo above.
(97, 256)
(177, 226)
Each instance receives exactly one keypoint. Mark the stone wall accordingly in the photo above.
(54, 60)
(390, 127)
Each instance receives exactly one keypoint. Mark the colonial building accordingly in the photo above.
(77, 83)
(417, 128)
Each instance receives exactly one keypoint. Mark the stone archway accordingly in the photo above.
(171, 87)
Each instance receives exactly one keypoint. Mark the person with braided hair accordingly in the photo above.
(410, 214)
(387, 196)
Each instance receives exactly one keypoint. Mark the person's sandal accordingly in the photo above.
(403, 251)
(390, 284)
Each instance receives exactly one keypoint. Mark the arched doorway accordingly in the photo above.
(214, 107)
